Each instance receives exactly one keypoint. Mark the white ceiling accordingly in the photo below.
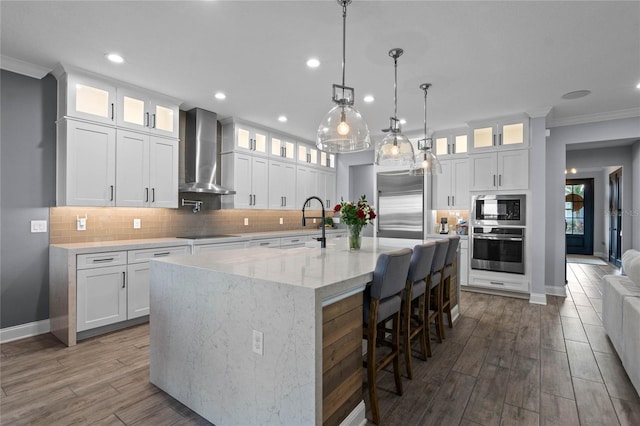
(484, 59)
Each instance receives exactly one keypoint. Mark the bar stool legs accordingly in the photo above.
(409, 315)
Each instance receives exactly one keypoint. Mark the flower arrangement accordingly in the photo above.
(355, 215)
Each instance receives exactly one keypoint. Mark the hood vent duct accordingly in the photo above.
(202, 154)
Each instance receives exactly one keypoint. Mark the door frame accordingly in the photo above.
(615, 217)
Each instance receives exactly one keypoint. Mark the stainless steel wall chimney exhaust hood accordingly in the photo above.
(202, 154)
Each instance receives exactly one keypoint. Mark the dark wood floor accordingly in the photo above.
(505, 362)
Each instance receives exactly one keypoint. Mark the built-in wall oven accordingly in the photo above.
(498, 233)
(498, 249)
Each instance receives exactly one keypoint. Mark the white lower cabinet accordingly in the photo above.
(463, 267)
(206, 248)
(499, 281)
(114, 286)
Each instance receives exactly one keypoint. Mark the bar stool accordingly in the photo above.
(414, 300)
(382, 302)
(452, 251)
(434, 306)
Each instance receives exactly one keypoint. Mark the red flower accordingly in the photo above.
(360, 214)
(372, 214)
(337, 208)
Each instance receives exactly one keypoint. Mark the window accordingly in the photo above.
(574, 209)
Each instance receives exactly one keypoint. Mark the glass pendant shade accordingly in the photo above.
(343, 130)
(394, 150)
(426, 163)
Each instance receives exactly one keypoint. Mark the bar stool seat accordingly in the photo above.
(382, 303)
(414, 300)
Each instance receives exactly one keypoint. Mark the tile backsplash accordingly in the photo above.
(108, 224)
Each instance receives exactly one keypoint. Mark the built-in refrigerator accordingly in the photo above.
(400, 205)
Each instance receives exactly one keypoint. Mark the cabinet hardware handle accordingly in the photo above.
(164, 253)
(281, 201)
(496, 283)
(494, 140)
(453, 148)
(500, 140)
(154, 121)
(104, 259)
(124, 279)
(285, 151)
(251, 145)
(146, 193)
(328, 204)
(499, 180)
(111, 186)
(295, 241)
(448, 200)
(113, 112)
(264, 244)
(147, 120)
(153, 195)
(285, 201)
(250, 199)
(448, 149)
(453, 200)
(494, 180)
(308, 158)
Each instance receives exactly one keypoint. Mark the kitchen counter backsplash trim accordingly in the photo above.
(115, 224)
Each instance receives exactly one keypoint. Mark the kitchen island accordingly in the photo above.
(263, 336)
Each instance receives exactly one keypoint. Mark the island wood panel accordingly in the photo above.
(455, 278)
(341, 358)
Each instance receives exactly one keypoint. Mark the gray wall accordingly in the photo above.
(27, 189)
(635, 177)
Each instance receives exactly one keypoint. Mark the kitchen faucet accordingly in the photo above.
(323, 240)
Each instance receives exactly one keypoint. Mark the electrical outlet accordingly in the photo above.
(81, 224)
(246, 221)
(281, 221)
(314, 221)
(38, 226)
(258, 342)
(136, 223)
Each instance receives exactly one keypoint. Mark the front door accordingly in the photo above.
(578, 215)
(615, 217)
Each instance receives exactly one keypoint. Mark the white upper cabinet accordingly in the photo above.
(248, 175)
(86, 164)
(451, 187)
(141, 111)
(500, 134)
(451, 142)
(308, 154)
(146, 171)
(87, 98)
(504, 170)
(239, 137)
(283, 148)
(282, 185)
(327, 160)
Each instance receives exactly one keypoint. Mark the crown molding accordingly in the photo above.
(21, 67)
(591, 118)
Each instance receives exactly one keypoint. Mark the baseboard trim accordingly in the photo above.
(538, 299)
(22, 331)
(358, 417)
(554, 290)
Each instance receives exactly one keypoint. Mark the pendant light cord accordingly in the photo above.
(344, 41)
(425, 87)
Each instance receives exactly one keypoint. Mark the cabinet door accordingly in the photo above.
(442, 185)
(206, 248)
(133, 110)
(163, 169)
(163, 118)
(483, 171)
(442, 146)
(90, 165)
(250, 140)
(513, 169)
(138, 290)
(260, 182)
(132, 169)
(330, 191)
(288, 187)
(101, 296)
(460, 184)
(307, 185)
(277, 181)
(243, 198)
(514, 133)
(460, 143)
(91, 99)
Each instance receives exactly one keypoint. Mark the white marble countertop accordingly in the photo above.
(331, 271)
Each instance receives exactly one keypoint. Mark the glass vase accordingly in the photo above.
(355, 237)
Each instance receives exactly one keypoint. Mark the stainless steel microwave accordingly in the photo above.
(499, 210)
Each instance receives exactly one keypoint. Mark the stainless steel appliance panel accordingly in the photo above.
(498, 249)
(498, 210)
(400, 205)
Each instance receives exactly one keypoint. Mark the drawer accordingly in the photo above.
(206, 248)
(269, 242)
(96, 260)
(144, 255)
(294, 241)
(500, 284)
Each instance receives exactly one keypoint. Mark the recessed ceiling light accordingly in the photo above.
(115, 58)
(220, 95)
(403, 121)
(313, 63)
(638, 86)
(282, 119)
(576, 94)
(369, 98)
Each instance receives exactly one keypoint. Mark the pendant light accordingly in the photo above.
(426, 162)
(395, 149)
(343, 129)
